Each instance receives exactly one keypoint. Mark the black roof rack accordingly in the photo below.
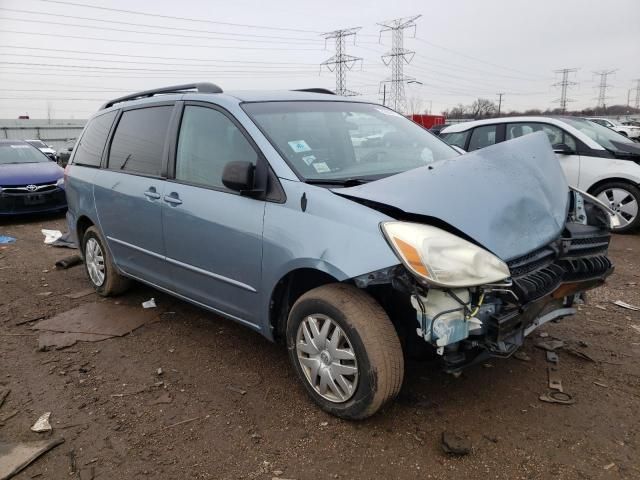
(198, 87)
(315, 90)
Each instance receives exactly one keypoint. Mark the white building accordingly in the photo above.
(60, 134)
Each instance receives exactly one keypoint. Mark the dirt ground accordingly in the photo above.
(210, 429)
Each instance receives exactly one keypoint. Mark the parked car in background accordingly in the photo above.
(29, 181)
(437, 129)
(630, 131)
(44, 148)
(260, 207)
(594, 158)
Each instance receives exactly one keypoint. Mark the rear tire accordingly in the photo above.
(624, 198)
(99, 265)
(363, 369)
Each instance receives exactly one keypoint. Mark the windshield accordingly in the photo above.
(338, 141)
(37, 143)
(603, 135)
(20, 153)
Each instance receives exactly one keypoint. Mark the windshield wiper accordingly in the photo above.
(343, 182)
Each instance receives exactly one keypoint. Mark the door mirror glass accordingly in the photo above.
(238, 176)
(563, 149)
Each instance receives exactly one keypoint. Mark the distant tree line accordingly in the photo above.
(484, 108)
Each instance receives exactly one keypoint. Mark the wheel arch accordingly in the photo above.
(287, 290)
(82, 225)
(604, 181)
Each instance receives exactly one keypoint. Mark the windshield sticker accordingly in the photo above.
(20, 146)
(299, 146)
(309, 159)
(321, 167)
(386, 111)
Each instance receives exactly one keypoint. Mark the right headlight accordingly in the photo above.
(439, 258)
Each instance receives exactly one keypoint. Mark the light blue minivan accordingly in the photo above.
(336, 226)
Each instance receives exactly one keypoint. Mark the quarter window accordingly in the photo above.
(555, 134)
(89, 149)
(482, 137)
(459, 139)
(138, 143)
(208, 141)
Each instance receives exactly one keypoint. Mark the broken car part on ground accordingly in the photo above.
(348, 251)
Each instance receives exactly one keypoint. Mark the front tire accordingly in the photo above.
(345, 350)
(99, 265)
(624, 199)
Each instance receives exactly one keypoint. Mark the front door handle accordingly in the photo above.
(172, 199)
(152, 194)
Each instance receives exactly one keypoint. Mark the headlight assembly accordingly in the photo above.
(439, 258)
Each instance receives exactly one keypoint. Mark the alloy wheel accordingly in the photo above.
(622, 202)
(327, 358)
(94, 260)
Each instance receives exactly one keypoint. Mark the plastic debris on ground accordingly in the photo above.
(56, 238)
(4, 239)
(42, 424)
(15, 457)
(151, 303)
(626, 305)
(454, 444)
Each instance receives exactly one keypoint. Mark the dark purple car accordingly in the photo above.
(29, 181)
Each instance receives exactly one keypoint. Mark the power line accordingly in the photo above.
(564, 85)
(602, 87)
(162, 34)
(91, 52)
(470, 57)
(163, 27)
(150, 70)
(396, 58)
(173, 17)
(138, 62)
(59, 35)
(341, 62)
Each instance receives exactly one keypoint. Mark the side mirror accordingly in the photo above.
(563, 149)
(238, 176)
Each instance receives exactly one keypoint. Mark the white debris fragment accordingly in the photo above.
(151, 303)
(42, 424)
(51, 236)
(626, 305)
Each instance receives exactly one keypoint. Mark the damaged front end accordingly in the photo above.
(511, 248)
(467, 322)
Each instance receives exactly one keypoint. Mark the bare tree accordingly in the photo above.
(483, 108)
(414, 105)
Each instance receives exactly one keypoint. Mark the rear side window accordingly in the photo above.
(554, 134)
(459, 139)
(482, 137)
(138, 143)
(89, 150)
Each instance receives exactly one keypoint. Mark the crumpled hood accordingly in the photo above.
(29, 173)
(511, 197)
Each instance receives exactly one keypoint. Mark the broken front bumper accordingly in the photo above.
(468, 324)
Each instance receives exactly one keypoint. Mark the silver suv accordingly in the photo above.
(335, 226)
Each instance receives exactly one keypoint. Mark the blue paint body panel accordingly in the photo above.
(227, 252)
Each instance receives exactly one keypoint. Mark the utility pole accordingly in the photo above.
(637, 92)
(340, 63)
(499, 102)
(602, 88)
(564, 84)
(396, 58)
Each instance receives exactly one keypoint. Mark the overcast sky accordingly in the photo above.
(67, 57)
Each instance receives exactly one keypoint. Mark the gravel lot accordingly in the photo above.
(199, 424)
